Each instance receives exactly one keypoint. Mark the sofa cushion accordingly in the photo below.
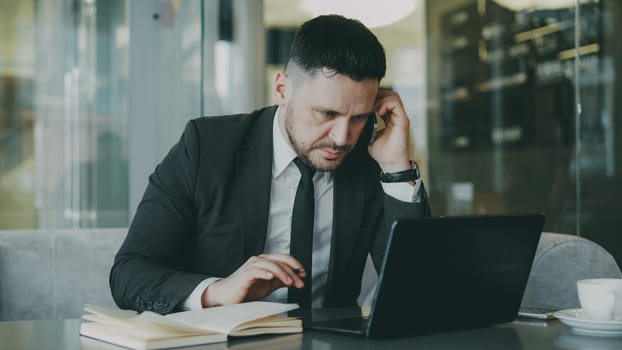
(52, 274)
(560, 261)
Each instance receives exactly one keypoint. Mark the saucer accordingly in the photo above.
(581, 324)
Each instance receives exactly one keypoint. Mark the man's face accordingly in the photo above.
(325, 115)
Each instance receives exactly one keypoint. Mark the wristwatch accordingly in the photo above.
(408, 175)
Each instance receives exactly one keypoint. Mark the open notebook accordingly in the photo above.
(149, 330)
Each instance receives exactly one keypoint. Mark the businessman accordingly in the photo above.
(286, 202)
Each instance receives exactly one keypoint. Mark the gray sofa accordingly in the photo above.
(51, 274)
(560, 261)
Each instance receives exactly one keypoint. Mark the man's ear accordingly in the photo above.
(281, 86)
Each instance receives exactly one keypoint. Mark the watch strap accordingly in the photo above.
(407, 175)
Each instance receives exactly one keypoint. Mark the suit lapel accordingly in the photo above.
(254, 176)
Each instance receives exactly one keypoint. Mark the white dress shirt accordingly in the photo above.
(285, 178)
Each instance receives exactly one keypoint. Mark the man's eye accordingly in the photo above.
(328, 114)
(361, 117)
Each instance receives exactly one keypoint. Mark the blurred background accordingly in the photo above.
(512, 102)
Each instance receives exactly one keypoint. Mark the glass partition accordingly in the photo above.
(524, 112)
(63, 124)
(17, 59)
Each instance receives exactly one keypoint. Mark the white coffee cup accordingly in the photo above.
(601, 298)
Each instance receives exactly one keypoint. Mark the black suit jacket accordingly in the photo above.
(205, 212)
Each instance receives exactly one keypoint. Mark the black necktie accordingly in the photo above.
(301, 245)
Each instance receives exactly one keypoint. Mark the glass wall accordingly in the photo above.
(523, 119)
(63, 114)
(512, 102)
(16, 114)
(93, 93)
(188, 59)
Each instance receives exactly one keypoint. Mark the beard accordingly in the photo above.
(304, 151)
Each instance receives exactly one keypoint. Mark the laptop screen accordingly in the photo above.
(448, 273)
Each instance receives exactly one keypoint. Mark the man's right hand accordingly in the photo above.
(255, 279)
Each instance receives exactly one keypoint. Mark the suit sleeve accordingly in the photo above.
(150, 268)
(396, 209)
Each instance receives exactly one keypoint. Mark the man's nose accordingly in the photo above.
(340, 131)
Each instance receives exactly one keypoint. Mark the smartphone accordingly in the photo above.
(372, 125)
(537, 312)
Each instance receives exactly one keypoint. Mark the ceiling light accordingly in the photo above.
(536, 4)
(373, 13)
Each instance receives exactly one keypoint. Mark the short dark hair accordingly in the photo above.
(342, 44)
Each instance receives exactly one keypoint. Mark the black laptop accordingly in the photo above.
(447, 273)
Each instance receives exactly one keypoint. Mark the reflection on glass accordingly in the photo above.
(63, 153)
(570, 340)
(16, 115)
(508, 79)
